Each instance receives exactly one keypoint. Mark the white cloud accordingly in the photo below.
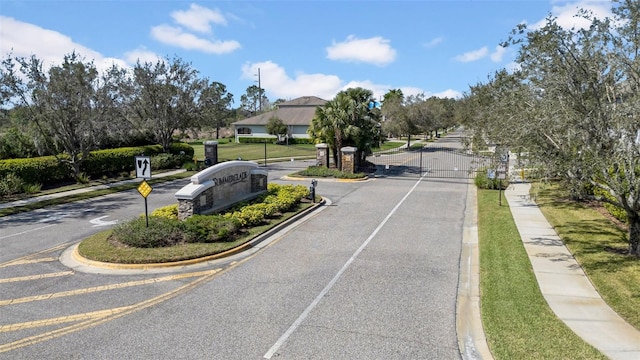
(473, 55)
(498, 54)
(375, 50)
(199, 18)
(378, 89)
(143, 55)
(566, 13)
(175, 36)
(433, 42)
(278, 84)
(449, 93)
(24, 39)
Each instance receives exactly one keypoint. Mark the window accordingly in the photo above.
(244, 131)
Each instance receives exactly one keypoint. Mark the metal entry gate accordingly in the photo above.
(430, 161)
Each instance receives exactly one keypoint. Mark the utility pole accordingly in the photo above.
(259, 92)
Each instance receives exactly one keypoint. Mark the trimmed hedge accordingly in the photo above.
(48, 170)
(257, 140)
(273, 140)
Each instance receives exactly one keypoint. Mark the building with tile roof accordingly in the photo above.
(296, 114)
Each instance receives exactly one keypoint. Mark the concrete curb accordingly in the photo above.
(471, 338)
(73, 256)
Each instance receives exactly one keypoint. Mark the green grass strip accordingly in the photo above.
(598, 246)
(517, 320)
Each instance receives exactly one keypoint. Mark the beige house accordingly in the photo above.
(296, 114)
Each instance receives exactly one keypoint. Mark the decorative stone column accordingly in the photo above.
(322, 155)
(348, 157)
(211, 152)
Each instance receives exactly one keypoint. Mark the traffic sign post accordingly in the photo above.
(143, 167)
(503, 166)
(145, 189)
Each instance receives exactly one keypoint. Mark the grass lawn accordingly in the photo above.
(599, 247)
(98, 248)
(256, 152)
(517, 320)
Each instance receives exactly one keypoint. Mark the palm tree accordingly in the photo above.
(346, 120)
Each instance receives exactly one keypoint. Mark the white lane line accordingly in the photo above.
(26, 232)
(326, 289)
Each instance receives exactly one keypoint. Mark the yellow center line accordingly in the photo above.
(113, 314)
(62, 319)
(36, 277)
(30, 258)
(103, 288)
(28, 261)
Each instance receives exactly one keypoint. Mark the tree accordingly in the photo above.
(254, 101)
(347, 120)
(574, 104)
(276, 127)
(70, 104)
(165, 99)
(214, 104)
(394, 113)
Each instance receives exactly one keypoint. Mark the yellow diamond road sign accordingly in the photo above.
(144, 189)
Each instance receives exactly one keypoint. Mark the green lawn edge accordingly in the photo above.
(598, 245)
(517, 321)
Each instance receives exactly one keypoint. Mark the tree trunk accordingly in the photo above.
(634, 234)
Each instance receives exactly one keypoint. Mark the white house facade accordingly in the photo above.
(296, 114)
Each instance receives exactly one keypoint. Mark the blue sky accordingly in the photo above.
(302, 48)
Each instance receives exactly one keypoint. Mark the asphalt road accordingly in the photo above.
(371, 275)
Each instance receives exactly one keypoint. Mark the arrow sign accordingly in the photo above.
(100, 222)
(143, 167)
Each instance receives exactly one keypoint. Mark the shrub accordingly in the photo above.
(169, 211)
(160, 233)
(31, 188)
(209, 228)
(482, 181)
(11, 184)
(165, 230)
(321, 171)
(42, 170)
(615, 211)
(257, 140)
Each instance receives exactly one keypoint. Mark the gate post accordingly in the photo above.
(348, 156)
(322, 155)
(210, 153)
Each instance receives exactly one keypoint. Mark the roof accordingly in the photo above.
(304, 101)
(298, 111)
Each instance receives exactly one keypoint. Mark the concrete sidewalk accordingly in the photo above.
(564, 285)
(58, 195)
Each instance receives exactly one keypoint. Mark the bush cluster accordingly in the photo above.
(256, 140)
(615, 211)
(161, 232)
(279, 198)
(482, 181)
(12, 184)
(166, 230)
(273, 140)
(169, 211)
(99, 163)
(321, 171)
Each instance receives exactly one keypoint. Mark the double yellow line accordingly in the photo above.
(86, 320)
